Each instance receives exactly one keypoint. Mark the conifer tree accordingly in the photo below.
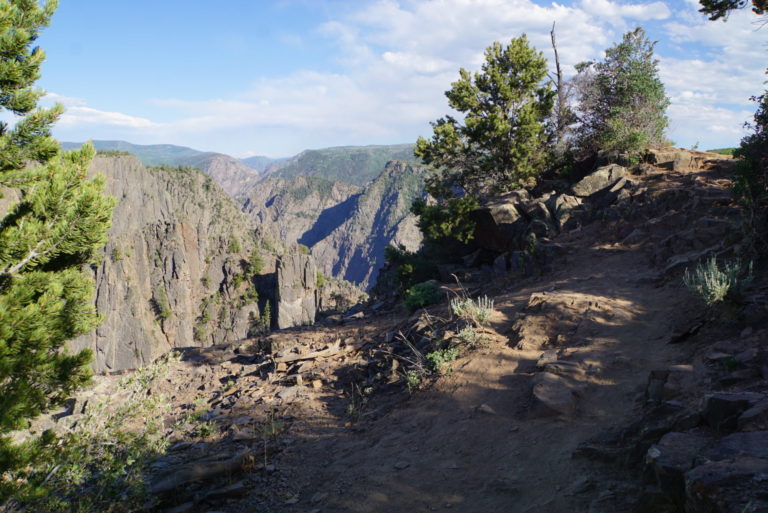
(55, 226)
(622, 100)
(717, 9)
(498, 145)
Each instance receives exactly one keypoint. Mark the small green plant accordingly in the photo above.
(234, 246)
(440, 357)
(250, 296)
(205, 429)
(321, 280)
(199, 333)
(162, 307)
(468, 335)
(238, 280)
(413, 379)
(421, 295)
(116, 255)
(714, 285)
(205, 281)
(478, 311)
(356, 404)
(303, 250)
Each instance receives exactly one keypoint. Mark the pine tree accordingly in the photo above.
(717, 9)
(55, 226)
(622, 100)
(498, 145)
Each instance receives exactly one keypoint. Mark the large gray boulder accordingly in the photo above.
(563, 209)
(603, 178)
(500, 225)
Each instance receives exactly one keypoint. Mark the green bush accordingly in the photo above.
(478, 311)
(234, 246)
(411, 267)
(714, 285)
(162, 308)
(440, 357)
(448, 219)
(421, 295)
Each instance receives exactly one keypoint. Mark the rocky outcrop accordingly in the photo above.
(175, 269)
(602, 178)
(296, 299)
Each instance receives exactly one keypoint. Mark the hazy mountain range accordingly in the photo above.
(346, 204)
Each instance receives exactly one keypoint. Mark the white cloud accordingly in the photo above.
(396, 58)
(64, 100)
(81, 115)
(617, 12)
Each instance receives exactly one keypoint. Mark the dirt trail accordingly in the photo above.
(473, 442)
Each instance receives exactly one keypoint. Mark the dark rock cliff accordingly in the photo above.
(178, 269)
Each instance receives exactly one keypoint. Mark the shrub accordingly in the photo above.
(99, 463)
(448, 219)
(478, 311)
(714, 285)
(162, 308)
(234, 246)
(421, 295)
(255, 263)
(440, 357)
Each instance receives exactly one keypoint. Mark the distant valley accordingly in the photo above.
(346, 204)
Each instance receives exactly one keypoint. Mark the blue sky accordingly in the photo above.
(263, 77)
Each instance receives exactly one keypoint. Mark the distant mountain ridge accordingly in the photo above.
(345, 203)
(171, 154)
(149, 154)
(356, 165)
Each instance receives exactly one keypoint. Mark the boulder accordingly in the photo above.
(753, 444)
(722, 409)
(671, 158)
(563, 210)
(603, 178)
(673, 456)
(728, 486)
(553, 395)
(755, 418)
(499, 225)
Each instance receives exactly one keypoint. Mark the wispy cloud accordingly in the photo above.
(396, 58)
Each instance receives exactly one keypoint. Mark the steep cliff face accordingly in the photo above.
(351, 246)
(347, 227)
(288, 208)
(178, 269)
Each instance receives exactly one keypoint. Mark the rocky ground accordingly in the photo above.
(601, 384)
